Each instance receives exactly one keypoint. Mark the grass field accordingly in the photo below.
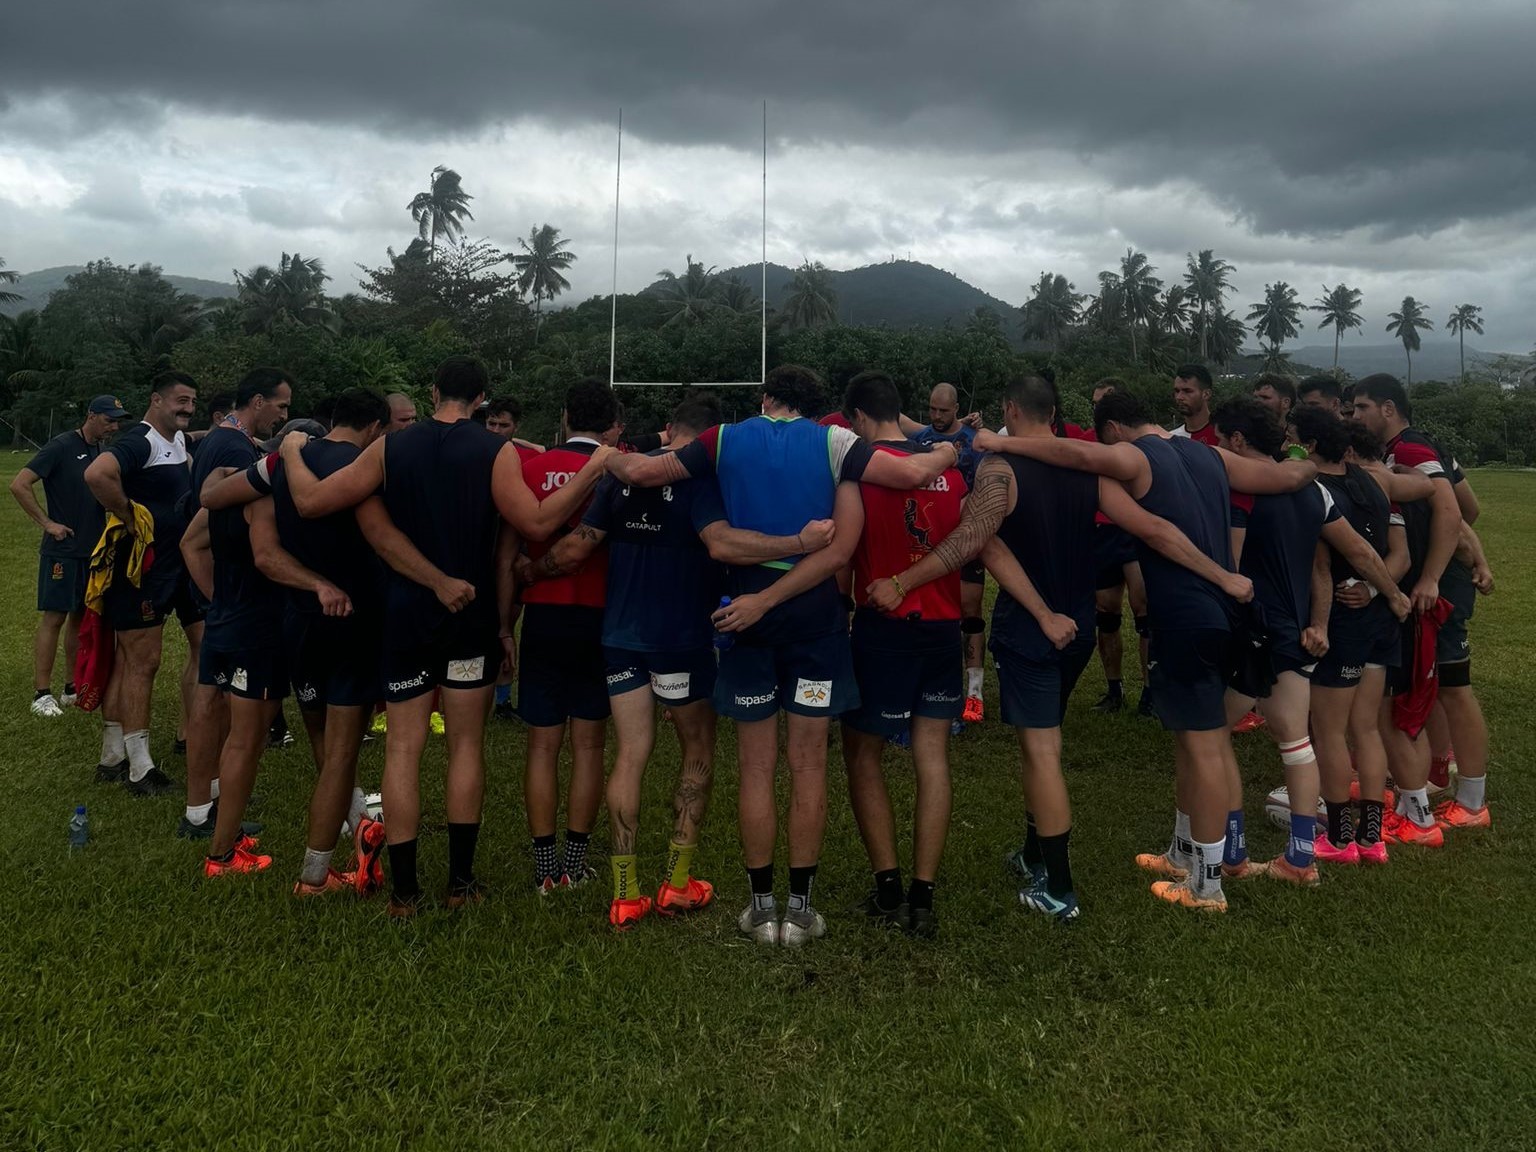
(145, 1008)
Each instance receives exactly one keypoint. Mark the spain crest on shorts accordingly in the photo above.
(58, 571)
(147, 610)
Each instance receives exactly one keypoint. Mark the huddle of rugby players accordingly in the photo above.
(1280, 559)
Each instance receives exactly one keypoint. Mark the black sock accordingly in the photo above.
(573, 861)
(761, 880)
(888, 889)
(41, 692)
(920, 894)
(544, 865)
(224, 859)
(1370, 822)
(1031, 840)
(462, 839)
(69, 687)
(800, 881)
(1341, 823)
(402, 870)
(1115, 688)
(1058, 863)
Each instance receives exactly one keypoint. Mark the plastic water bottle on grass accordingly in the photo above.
(79, 828)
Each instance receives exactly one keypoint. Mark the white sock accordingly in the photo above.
(213, 789)
(1472, 792)
(199, 813)
(315, 866)
(1415, 805)
(1205, 877)
(1182, 849)
(112, 750)
(973, 681)
(359, 810)
(139, 762)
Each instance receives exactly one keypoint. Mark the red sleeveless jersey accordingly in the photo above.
(546, 473)
(900, 528)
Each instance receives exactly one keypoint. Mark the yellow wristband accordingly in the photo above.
(900, 591)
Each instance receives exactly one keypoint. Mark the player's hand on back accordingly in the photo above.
(972, 421)
(292, 443)
(987, 440)
(816, 535)
(454, 594)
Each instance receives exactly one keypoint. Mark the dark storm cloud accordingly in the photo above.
(1307, 117)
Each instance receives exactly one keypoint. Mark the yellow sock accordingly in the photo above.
(626, 885)
(679, 860)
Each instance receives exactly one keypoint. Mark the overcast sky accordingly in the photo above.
(1388, 144)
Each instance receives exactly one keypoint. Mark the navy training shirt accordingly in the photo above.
(662, 584)
(246, 606)
(154, 472)
(1278, 552)
(60, 464)
(1189, 489)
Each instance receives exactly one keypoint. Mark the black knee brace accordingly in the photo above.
(1457, 675)
(972, 625)
(1142, 627)
(1109, 622)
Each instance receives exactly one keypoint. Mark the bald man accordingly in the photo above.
(402, 411)
(944, 425)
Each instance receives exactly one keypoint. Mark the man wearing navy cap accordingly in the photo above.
(71, 526)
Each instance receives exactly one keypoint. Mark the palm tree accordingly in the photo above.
(1052, 310)
(1138, 289)
(24, 364)
(688, 298)
(539, 267)
(1207, 277)
(1226, 335)
(812, 301)
(1338, 306)
(8, 278)
(443, 207)
(1406, 324)
(1466, 318)
(736, 295)
(291, 292)
(1104, 310)
(1276, 319)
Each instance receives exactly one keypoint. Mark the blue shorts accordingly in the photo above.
(249, 673)
(1188, 670)
(334, 661)
(1113, 549)
(1358, 637)
(61, 584)
(164, 589)
(675, 678)
(806, 677)
(560, 680)
(1452, 644)
(1034, 689)
(411, 672)
(899, 681)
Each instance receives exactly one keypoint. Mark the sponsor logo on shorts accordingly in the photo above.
(466, 671)
(940, 698)
(896, 715)
(307, 693)
(620, 677)
(58, 570)
(1351, 671)
(753, 701)
(417, 681)
(240, 681)
(813, 693)
(671, 685)
(147, 610)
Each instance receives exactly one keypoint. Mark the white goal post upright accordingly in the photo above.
(613, 309)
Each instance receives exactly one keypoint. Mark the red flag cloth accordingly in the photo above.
(93, 662)
(1411, 709)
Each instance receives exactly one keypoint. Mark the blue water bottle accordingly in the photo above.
(724, 640)
(79, 828)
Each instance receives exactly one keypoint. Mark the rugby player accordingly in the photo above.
(1187, 484)
(145, 466)
(333, 631)
(665, 546)
(1321, 392)
(1277, 392)
(1381, 404)
(1289, 539)
(1192, 399)
(907, 661)
(71, 527)
(778, 471)
(402, 411)
(562, 658)
(944, 425)
(242, 658)
(437, 527)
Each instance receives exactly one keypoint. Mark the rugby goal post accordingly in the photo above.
(613, 318)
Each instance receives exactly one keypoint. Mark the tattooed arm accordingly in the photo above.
(569, 553)
(992, 498)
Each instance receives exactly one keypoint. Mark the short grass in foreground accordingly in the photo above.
(146, 1008)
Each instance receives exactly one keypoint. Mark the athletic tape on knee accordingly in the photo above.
(1457, 675)
(973, 625)
(1297, 752)
(1109, 622)
(1142, 627)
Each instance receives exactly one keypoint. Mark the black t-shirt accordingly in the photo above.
(246, 605)
(437, 488)
(1189, 489)
(1360, 501)
(1050, 533)
(154, 473)
(1278, 553)
(331, 546)
(61, 465)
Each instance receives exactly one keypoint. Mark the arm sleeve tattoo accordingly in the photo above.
(984, 510)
